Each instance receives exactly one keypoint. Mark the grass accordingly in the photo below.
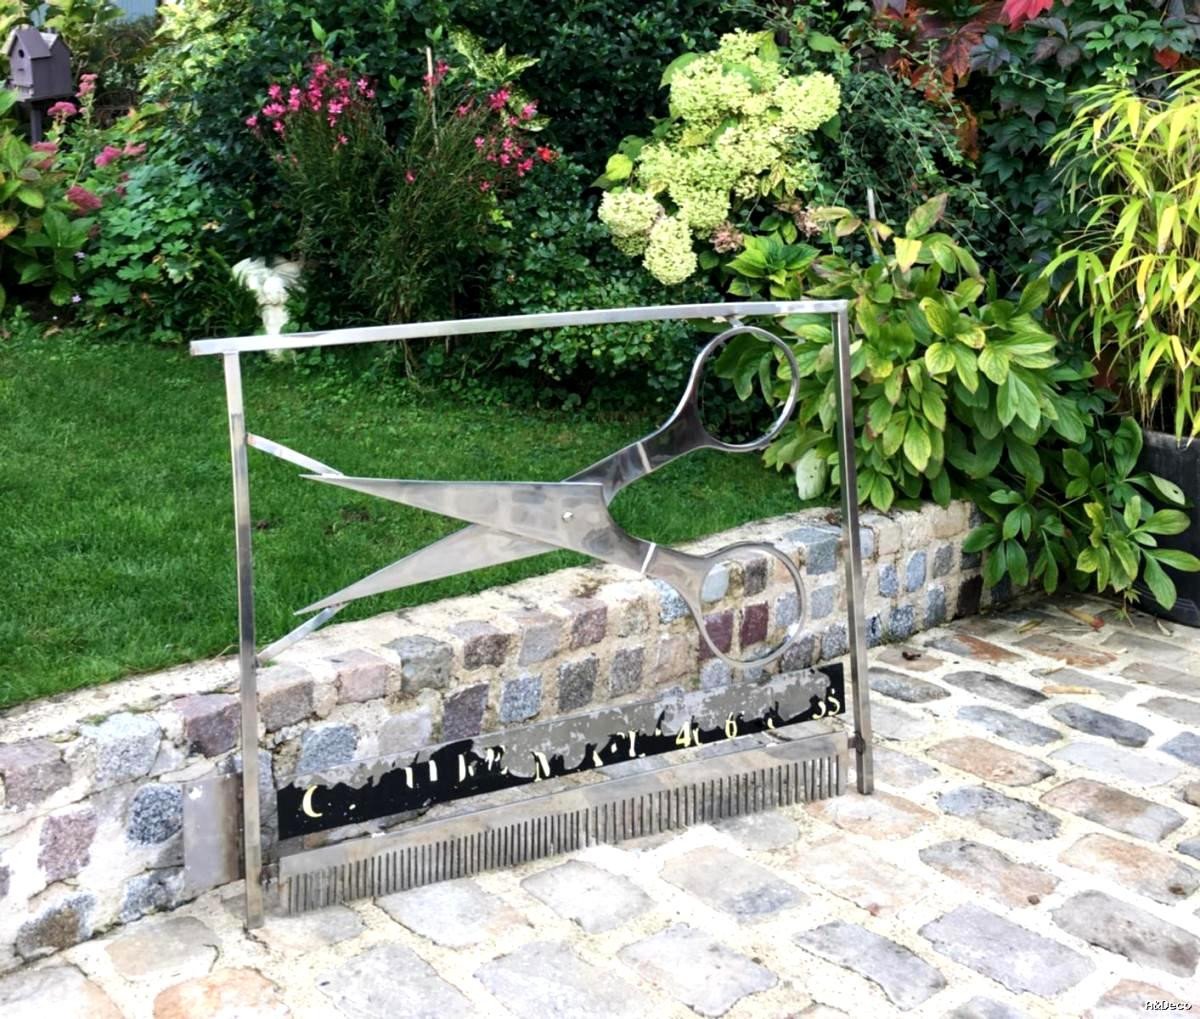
(116, 517)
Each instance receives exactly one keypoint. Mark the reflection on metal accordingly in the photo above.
(754, 779)
(212, 843)
(511, 521)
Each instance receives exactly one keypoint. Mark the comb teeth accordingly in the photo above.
(745, 782)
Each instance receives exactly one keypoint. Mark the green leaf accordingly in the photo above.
(1025, 459)
(984, 536)
(318, 32)
(34, 199)
(1018, 562)
(1034, 295)
(618, 167)
(893, 435)
(917, 447)
(1076, 463)
(674, 67)
(1012, 524)
(819, 42)
(993, 362)
(1169, 490)
(1168, 521)
(939, 358)
(939, 488)
(882, 494)
(994, 566)
(907, 252)
(934, 408)
(941, 319)
(1177, 559)
(1161, 586)
(925, 216)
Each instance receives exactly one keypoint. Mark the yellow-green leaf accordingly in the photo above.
(907, 252)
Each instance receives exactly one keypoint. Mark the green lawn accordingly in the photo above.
(115, 508)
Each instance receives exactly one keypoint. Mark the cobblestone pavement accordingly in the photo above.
(1033, 849)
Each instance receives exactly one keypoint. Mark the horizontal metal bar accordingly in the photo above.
(278, 449)
(303, 630)
(510, 323)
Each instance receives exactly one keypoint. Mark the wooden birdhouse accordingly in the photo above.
(39, 65)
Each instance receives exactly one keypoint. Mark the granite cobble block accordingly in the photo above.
(1010, 954)
(1114, 809)
(914, 572)
(888, 581)
(462, 712)
(169, 944)
(520, 698)
(731, 883)
(285, 697)
(587, 621)
(387, 980)
(673, 658)
(787, 610)
(1144, 939)
(935, 605)
(326, 746)
(820, 548)
(800, 654)
(902, 975)
(1100, 723)
(542, 636)
(1009, 726)
(1116, 762)
(360, 676)
(1175, 708)
(874, 630)
(1143, 870)
(985, 684)
(596, 899)
(126, 746)
(425, 663)
(822, 601)
(59, 991)
(625, 674)
(406, 730)
(671, 603)
(904, 688)
(966, 645)
(696, 969)
(990, 872)
(155, 814)
(716, 584)
(754, 576)
(65, 843)
(1014, 819)
(990, 762)
(834, 642)
(577, 682)
(150, 892)
(754, 624)
(715, 674)
(483, 644)
(986, 1008)
(211, 722)
(454, 914)
(901, 622)
(547, 980)
(881, 815)
(1185, 746)
(31, 771)
(719, 626)
(943, 561)
(61, 925)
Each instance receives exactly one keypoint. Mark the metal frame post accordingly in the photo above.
(251, 820)
(859, 683)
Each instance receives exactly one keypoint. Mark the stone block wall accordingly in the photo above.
(91, 782)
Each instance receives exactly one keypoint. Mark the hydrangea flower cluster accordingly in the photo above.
(736, 131)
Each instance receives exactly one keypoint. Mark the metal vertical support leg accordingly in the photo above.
(251, 821)
(854, 579)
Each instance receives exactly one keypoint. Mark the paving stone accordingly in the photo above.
(126, 746)
(1015, 957)
(211, 722)
(425, 663)
(1157, 674)
(671, 604)
(889, 581)
(838, 865)
(1066, 678)
(58, 991)
(1127, 1000)
(820, 548)
(1100, 723)
(1185, 746)
(760, 832)
(904, 688)
(716, 584)
(548, 981)
(990, 762)
(1176, 708)
(1014, 819)
(66, 923)
(1066, 651)
(1139, 868)
(626, 674)
(155, 814)
(906, 978)
(943, 561)
(1114, 809)
(985, 1008)
(596, 899)
(157, 889)
(577, 682)
(390, 980)
(964, 645)
(719, 626)
(408, 730)
(893, 723)
(732, 883)
(1190, 848)
(910, 658)
(306, 932)
(359, 676)
(65, 843)
(175, 943)
(897, 769)
(985, 684)
(822, 601)
(1009, 726)
(31, 771)
(587, 622)
(1123, 638)
(542, 636)
(285, 696)
(226, 994)
(1191, 794)
(1123, 764)
(880, 815)
(696, 969)
(787, 609)
(1144, 939)
(990, 872)
(326, 746)
(5, 878)
(715, 674)
(520, 698)
(451, 913)
(754, 624)
(462, 712)
(483, 644)
(914, 572)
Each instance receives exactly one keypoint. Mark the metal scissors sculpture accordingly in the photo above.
(514, 520)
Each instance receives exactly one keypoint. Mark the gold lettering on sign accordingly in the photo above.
(307, 803)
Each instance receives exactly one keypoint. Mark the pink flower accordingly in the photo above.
(505, 159)
(272, 111)
(513, 122)
(525, 166)
(479, 143)
(342, 139)
(370, 93)
(294, 104)
(62, 110)
(463, 110)
(321, 69)
(110, 154)
(409, 176)
(275, 92)
(134, 150)
(342, 85)
(87, 85)
(546, 154)
(485, 185)
(497, 99)
(278, 125)
(252, 120)
(362, 85)
(44, 146)
(83, 199)
(528, 111)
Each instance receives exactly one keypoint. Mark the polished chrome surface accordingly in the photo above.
(857, 631)
(475, 547)
(810, 766)
(509, 323)
(251, 823)
(212, 840)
